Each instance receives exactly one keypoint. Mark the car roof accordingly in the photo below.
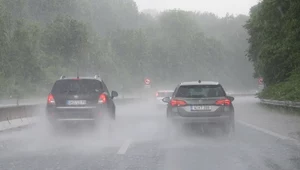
(200, 83)
(165, 91)
(80, 78)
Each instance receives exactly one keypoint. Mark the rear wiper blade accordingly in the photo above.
(198, 97)
(68, 91)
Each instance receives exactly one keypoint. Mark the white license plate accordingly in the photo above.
(76, 102)
(201, 108)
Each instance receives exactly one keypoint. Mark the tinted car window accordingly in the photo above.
(81, 86)
(164, 94)
(200, 91)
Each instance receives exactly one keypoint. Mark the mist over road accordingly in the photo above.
(140, 141)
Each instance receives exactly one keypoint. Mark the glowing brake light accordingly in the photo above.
(175, 102)
(225, 102)
(156, 94)
(102, 98)
(50, 99)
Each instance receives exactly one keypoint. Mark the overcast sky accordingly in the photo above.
(219, 7)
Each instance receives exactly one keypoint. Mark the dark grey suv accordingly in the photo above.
(201, 102)
(84, 99)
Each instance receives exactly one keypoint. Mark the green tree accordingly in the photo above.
(66, 38)
(274, 45)
(42, 39)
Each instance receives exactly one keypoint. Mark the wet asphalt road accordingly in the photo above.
(139, 141)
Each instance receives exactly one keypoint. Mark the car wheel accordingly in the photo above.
(55, 128)
(94, 125)
(228, 127)
(112, 115)
(168, 114)
(170, 130)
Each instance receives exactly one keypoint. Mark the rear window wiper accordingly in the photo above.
(196, 96)
(68, 91)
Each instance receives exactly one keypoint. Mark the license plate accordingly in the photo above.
(201, 108)
(76, 102)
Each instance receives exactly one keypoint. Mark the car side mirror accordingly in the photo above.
(230, 98)
(114, 94)
(166, 99)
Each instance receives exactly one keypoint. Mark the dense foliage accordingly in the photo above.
(274, 29)
(43, 39)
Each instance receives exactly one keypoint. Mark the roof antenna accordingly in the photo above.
(77, 73)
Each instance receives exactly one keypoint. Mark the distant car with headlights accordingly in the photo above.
(160, 94)
(83, 99)
(201, 102)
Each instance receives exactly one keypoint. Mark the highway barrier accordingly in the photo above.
(9, 112)
(13, 114)
(240, 94)
(290, 104)
(31, 107)
(23, 114)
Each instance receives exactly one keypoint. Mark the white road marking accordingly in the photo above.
(124, 147)
(268, 132)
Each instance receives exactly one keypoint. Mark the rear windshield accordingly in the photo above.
(164, 94)
(200, 91)
(81, 86)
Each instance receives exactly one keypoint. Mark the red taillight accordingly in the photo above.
(175, 102)
(156, 94)
(50, 99)
(102, 98)
(225, 102)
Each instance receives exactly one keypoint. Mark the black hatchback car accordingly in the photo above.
(201, 102)
(80, 99)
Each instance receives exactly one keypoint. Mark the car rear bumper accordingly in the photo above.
(74, 120)
(218, 119)
(74, 114)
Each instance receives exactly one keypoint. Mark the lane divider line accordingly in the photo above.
(124, 147)
(268, 132)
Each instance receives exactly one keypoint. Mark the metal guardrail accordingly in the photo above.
(240, 94)
(280, 103)
(18, 112)
(38, 101)
(20, 102)
(10, 112)
(29, 108)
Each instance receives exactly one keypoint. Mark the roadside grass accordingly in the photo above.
(285, 91)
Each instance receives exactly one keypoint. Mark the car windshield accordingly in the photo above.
(200, 91)
(81, 86)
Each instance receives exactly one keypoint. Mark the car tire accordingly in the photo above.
(55, 128)
(112, 114)
(170, 130)
(168, 114)
(94, 125)
(228, 127)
